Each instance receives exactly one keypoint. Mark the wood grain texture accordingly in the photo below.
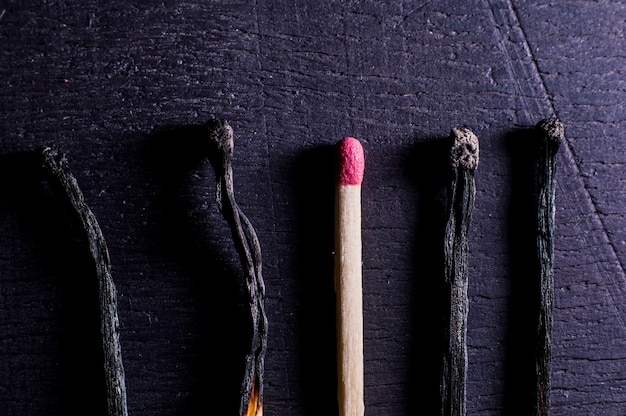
(117, 84)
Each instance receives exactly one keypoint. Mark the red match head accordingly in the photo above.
(352, 162)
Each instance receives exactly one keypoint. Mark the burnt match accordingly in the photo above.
(220, 135)
(551, 134)
(463, 160)
(55, 163)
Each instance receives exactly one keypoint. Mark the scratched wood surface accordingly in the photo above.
(119, 86)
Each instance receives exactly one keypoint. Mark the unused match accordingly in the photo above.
(348, 278)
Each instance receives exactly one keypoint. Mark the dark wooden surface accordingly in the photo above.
(119, 86)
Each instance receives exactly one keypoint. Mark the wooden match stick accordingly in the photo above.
(55, 163)
(348, 278)
(464, 160)
(551, 135)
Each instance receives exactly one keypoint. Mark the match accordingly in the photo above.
(551, 135)
(221, 139)
(56, 165)
(463, 160)
(348, 278)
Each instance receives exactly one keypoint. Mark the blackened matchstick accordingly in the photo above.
(55, 163)
(464, 160)
(551, 134)
(220, 135)
(348, 278)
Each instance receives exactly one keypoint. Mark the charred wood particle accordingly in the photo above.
(220, 135)
(463, 160)
(56, 165)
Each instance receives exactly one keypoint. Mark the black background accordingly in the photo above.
(120, 85)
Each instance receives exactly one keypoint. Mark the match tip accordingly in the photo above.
(352, 162)
(220, 134)
(53, 157)
(551, 129)
(464, 152)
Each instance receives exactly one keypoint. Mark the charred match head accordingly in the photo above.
(551, 130)
(464, 152)
(220, 135)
